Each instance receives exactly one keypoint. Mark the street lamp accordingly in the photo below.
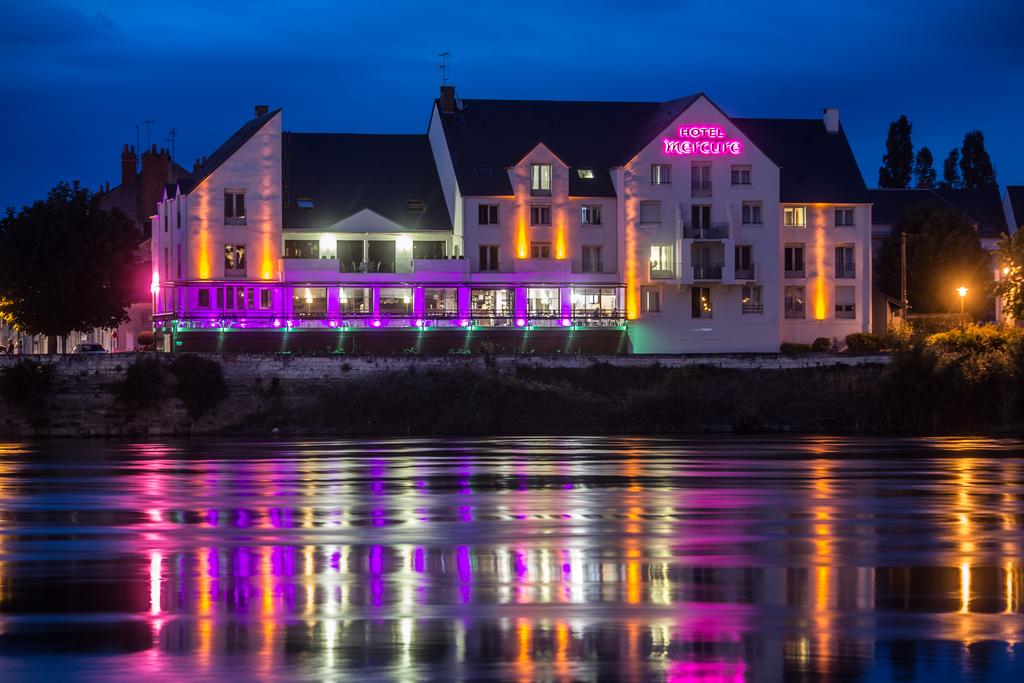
(962, 291)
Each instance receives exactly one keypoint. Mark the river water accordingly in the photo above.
(564, 559)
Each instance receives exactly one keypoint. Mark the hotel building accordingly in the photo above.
(521, 226)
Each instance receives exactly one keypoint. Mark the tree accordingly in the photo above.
(899, 156)
(943, 253)
(1010, 288)
(924, 169)
(66, 265)
(975, 163)
(951, 171)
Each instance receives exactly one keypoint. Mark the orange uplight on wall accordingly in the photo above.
(522, 239)
(560, 248)
(632, 286)
(267, 263)
(820, 298)
(204, 267)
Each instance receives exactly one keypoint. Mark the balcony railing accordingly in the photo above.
(846, 273)
(711, 231)
(745, 272)
(700, 188)
(753, 308)
(795, 313)
(794, 274)
(707, 272)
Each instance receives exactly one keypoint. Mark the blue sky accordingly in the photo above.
(75, 76)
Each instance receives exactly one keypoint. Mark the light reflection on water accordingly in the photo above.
(721, 559)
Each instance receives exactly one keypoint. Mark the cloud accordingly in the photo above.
(43, 22)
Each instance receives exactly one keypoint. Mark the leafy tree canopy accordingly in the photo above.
(975, 163)
(1010, 288)
(897, 164)
(65, 264)
(951, 170)
(943, 253)
(924, 168)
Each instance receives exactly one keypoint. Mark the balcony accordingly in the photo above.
(440, 265)
(543, 265)
(752, 308)
(745, 271)
(794, 274)
(846, 273)
(700, 188)
(712, 272)
(711, 231)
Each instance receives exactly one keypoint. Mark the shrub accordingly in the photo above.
(821, 345)
(864, 342)
(26, 381)
(794, 348)
(141, 384)
(977, 338)
(200, 384)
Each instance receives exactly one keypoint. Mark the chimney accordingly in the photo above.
(832, 120)
(129, 168)
(156, 172)
(447, 102)
(261, 109)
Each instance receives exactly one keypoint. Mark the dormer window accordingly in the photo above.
(585, 173)
(416, 206)
(305, 204)
(540, 180)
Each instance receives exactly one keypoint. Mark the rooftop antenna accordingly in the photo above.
(147, 123)
(444, 67)
(170, 138)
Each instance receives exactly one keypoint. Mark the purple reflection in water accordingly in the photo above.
(418, 560)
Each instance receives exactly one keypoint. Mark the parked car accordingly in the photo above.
(88, 348)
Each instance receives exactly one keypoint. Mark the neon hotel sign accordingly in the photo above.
(702, 141)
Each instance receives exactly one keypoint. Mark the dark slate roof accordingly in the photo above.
(982, 206)
(1016, 195)
(230, 146)
(485, 137)
(815, 165)
(346, 173)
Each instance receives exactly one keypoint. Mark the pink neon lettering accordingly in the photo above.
(702, 141)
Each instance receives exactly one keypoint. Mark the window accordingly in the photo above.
(178, 223)
(203, 298)
(650, 299)
(380, 256)
(266, 298)
(489, 257)
(305, 204)
(441, 302)
(309, 302)
(794, 216)
(250, 300)
(234, 207)
(492, 303)
(234, 260)
(661, 174)
(592, 262)
(428, 249)
(794, 260)
(744, 262)
(220, 297)
(844, 217)
(752, 213)
(591, 215)
(700, 302)
(234, 297)
(845, 300)
(167, 263)
(540, 249)
(751, 298)
(585, 173)
(846, 268)
(354, 300)
(302, 248)
(487, 214)
(166, 221)
(179, 261)
(593, 301)
(395, 301)
(543, 301)
(700, 220)
(650, 212)
(662, 263)
(795, 307)
(740, 175)
(351, 257)
(540, 215)
(700, 179)
(540, 179)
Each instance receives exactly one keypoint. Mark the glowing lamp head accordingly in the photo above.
(154, 287)
(420, 323)
(288, 323)
(277, 322)
(376, 323)
(333, 323)
(566, 322)
(404, 243)
(962, 291)
(463, 323)
(1006, 270)
(520, 322)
